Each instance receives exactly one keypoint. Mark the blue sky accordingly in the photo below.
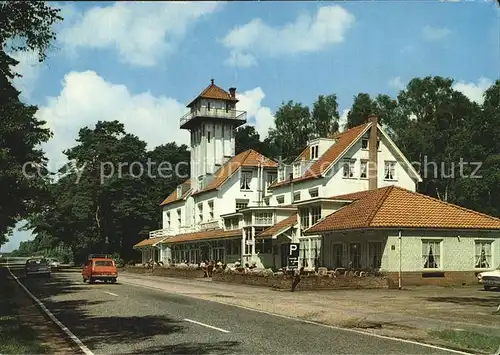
(142, 63)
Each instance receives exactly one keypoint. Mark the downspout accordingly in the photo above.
(373, 154)
(291, 187)
(400, 253)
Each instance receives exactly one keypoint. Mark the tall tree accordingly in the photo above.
(361, 109)
(325, 116)
(293, 129)
(24, 26)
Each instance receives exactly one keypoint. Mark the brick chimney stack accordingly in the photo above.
(232, 92)
(373, 153)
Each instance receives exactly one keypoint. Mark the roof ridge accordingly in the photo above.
(350, 129)
(449, 204)
(379, 204)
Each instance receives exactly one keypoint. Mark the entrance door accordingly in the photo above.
(205, 252)
(283, 250)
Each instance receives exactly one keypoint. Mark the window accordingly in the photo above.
(179, 191)
(264, 246)
(315, 214)
(241, 204)
(375, 255)
(296, 170)
(364, 144)
(200, 212)
(296, 196)
(390, 170)
(378, 144)
(245, 179)
(304, 217)
(270, 179)
(355, 255)
(210, 210)
(209, 105)
(338, 255)
(264, 218)
(313, 192)
(266, 201)
(208, 136)
(248, 220)
(201, 183)
(281, 174)
(168, 219)
(234, 247)
(431, 254)
(179, 217)
(364, 169)
(348, 168)
(280, 199)
(483, 254)
(314, 152)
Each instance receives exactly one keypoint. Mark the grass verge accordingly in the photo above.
(469, 340)
(15, 337)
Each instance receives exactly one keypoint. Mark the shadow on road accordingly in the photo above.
(222, 347)
(489, 300)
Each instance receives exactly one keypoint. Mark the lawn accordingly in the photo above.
(470, 340)
(15, 337)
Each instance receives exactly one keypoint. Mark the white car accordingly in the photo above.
(54, 263)
(490, 279)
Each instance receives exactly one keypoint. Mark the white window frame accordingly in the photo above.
(438, 257)
(350, 164)
(304, 217)
(179, 216)
(240, 204)
(388, 174)
(363, 143)
(280, 199)
(281, 174)
(314, 152)
(168, 219)
(263, 218)
(200, 212)
(246, 180)
(315, 213)
(211, 210)
(314, 192)
(296, 196)
(363, 163)
(201, 182)
(271, 177)
(488, 257)
(296, 170)
(375, 250)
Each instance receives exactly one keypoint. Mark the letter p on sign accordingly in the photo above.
(293, 248)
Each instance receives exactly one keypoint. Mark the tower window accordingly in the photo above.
(245, 179)
(208, 136)
(208, 105)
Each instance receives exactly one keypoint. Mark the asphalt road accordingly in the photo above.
(125, 319)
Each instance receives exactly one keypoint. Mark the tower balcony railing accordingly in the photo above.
(214, 113)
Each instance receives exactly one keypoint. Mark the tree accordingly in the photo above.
(293, 129)
(325, 116)
(361, 109)
(23, 26)
(247, 137)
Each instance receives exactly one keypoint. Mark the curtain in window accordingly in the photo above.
(481, 256)
(430, 262)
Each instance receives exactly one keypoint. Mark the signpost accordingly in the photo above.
(293, 256)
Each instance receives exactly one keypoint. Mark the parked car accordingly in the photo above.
(101, 268)
(54, 263)
(37, 267)
(490, 279)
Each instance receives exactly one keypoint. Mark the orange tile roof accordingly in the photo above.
(213, 91)
(279, 227)
(332, 154)
(212, 234)
(248, 158)
(305, 155)
(148, 242)
(173, 197)
(395, 207)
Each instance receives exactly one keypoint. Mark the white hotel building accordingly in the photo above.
(348, 199)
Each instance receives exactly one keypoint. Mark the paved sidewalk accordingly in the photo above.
(413, 311)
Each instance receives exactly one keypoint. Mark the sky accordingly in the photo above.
(141, 63)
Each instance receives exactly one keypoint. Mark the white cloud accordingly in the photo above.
(432, 33)
(87, 98)
(142, 33)
(343, 120)
(472, 90)
(29, 69)
(396, 83)
(250, 101)
(306, 34)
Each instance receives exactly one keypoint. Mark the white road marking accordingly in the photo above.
(111, 293)
(206, 325)
(53, 318)
(309, 321)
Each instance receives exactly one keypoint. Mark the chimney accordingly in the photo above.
(372, 153)
(232, 92)
(212, 81)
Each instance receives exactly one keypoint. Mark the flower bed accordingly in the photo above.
(308, 282)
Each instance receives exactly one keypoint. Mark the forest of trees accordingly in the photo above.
(428, 120)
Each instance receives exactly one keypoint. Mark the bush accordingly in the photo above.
(118, 260)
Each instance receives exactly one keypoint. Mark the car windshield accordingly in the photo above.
(103, 263)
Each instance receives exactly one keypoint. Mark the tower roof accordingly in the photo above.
(213, 91)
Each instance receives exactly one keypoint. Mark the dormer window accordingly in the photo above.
(348, 168)
(281, 174)
(296, 170)
(314, 152)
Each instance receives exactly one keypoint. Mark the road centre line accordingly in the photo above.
(68, 332)
(111, 293)
(206, 325)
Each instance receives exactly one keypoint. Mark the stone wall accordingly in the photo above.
(311, 282)
(167, 272)
(438, 278)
